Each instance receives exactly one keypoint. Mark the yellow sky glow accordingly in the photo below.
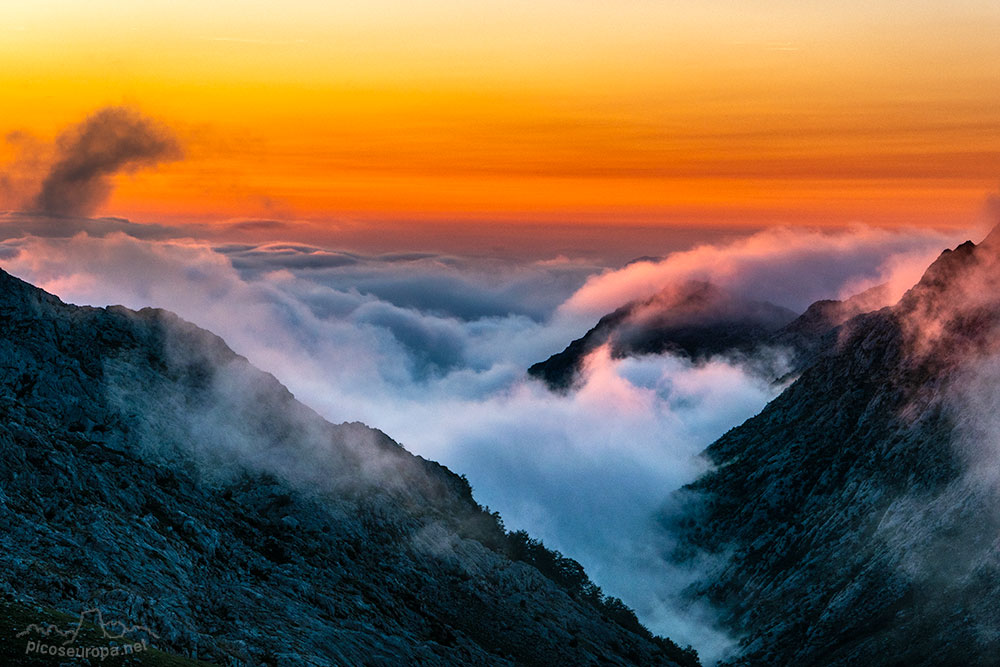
(550, 111)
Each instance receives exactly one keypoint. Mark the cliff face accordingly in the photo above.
(147, 469)
(855, 519)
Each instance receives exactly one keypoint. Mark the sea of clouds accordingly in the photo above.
(432, 348)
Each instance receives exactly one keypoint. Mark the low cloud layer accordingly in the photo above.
(432, 349)
(16, 224)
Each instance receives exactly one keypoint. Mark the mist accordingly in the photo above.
(432, 349)
(786, 266)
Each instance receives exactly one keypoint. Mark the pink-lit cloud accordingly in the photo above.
(789, 267)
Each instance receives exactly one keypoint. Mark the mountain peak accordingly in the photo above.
(693, 319)
(992, 239)
(966, 277)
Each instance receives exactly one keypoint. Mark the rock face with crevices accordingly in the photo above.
(148, 469)
(854, 521)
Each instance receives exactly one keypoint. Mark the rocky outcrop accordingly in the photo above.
(147, 469)
(854, 520)
(699, 320)
(695, 320)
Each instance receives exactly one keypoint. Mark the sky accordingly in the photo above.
(445, 122)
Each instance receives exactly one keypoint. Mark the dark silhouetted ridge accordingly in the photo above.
(695, 320)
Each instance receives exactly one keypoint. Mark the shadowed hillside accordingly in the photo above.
(150, 471)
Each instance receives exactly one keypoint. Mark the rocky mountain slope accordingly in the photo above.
(693, 319)
(855, 520)
(148, 470)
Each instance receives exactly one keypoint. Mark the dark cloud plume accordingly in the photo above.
(111, 140)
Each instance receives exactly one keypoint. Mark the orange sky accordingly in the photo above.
(556, 112)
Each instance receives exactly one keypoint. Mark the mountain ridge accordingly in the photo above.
(706, 321)
(150, 470)
(850, 519)
(694, 319)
